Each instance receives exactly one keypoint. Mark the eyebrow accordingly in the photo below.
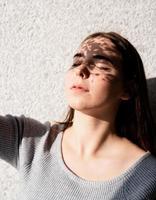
(97, 56)
(78, 55)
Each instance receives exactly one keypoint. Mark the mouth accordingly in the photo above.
(79, 88)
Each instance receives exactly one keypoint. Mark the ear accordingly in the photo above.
(127, 91)
(125, 97)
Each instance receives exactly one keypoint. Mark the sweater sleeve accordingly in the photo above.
(12, 131)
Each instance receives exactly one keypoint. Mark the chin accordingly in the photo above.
(78, 107)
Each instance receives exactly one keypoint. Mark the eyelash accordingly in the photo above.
(74, 65)
(101, 68)
(105, 68)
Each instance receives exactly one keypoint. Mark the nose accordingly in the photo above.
(83, 70)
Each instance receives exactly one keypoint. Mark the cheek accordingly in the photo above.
(100, 91)
(103, 88)
(99, 85)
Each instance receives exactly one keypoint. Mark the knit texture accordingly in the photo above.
(34, 149)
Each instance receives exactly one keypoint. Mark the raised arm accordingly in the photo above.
(19, 138)
(11, 131)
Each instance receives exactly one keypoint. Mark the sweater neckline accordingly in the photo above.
(85, 182)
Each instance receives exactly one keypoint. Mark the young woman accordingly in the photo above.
(105, 148)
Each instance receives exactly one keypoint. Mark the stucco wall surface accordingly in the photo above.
(37, 42)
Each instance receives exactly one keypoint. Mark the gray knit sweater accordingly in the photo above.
(28, 146)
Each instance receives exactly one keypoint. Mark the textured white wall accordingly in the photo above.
(37, 41)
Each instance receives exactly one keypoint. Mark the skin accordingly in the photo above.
(104, 84)
(92, 135)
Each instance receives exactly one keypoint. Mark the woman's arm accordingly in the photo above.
(19, 137)
(11, 131)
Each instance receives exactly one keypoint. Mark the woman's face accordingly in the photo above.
(96, 66)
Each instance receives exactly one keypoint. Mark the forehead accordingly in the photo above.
(99, 46)
(99, 43)
(99, 49)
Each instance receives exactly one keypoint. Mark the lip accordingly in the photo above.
(79, 87)
(78, 90)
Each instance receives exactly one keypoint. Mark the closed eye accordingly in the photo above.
(75, 64)
(105, 68)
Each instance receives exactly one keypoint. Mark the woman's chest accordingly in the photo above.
(96, 169)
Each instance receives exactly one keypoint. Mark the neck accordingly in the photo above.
(90, 136)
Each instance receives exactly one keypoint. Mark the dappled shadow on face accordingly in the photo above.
(100, 57)
(102, 46)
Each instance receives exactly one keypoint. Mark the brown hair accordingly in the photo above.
(134, 119)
